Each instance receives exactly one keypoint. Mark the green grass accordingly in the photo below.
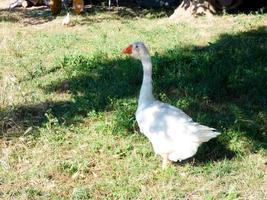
(68, 98)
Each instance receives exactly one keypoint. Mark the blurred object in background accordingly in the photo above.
(28, 3)
(78, 6)
(55, 6)
(156, 3)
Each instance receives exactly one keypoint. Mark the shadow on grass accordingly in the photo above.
(222, 85)
(42, 14)
(119, 13)
(31, 16)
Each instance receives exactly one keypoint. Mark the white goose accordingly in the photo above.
(173, 134)
(66, 20)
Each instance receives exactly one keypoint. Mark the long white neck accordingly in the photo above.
(146, 96)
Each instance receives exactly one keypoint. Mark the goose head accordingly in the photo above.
(137, 50)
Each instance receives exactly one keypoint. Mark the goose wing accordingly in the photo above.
(172, 123)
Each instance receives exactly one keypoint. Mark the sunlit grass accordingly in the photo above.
(68, 98)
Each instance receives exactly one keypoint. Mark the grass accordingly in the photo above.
(68, 98)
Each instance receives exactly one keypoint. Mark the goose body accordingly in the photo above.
(171, 131)
(173, 134)
(66, 20)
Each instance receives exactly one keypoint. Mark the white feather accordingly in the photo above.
(66, 20)
(169, 129)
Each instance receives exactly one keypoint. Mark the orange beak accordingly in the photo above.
(128, 50)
